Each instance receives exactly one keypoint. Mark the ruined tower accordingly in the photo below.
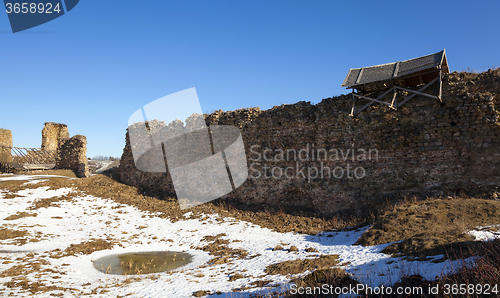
(5, 145)
(54, 135)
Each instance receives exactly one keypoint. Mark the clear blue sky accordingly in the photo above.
(96, 65)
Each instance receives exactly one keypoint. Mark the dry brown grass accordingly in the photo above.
(299, 266)
(318, 278)
(51, 202)
(201, 293)
(31, 263)
(481, 274)
(218, 248)
(11, 234)
(20, 215)
(432, 226)
(26, 285)
(85, 248)
(483, 271)
(13, 186)
(236, 276)
(9, 195)
(315, 279)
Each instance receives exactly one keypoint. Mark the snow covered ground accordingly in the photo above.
(87, 217)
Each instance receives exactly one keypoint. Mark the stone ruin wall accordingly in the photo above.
(53, 135)
(5, 145)
(424, 148)
(72, 154)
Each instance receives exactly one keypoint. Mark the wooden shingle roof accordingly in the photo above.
(403, 73)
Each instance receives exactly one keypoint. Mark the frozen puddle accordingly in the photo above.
(142, 262)
(54, 232)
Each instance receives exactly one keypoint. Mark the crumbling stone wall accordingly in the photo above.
(5, 145)
(72, 155)
(53, 135)
(71, 152)
(424, 148)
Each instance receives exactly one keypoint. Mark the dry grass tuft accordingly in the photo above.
(299, 266)
(201, 293)
(9, 195)
(278, 247)
(318, 278)
(479, 276)
(219, 249)
(20, 215)
(482, 271)
(34, 287)
(236, 276)
(31, 264)
(85, 248)
(51, 202)
(11, 234)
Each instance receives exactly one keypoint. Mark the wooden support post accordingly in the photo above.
(440, 86)
(394, 103)
(353, 107)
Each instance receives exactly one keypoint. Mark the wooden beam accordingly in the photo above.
(396, 69)
(373, 101)
(359, 76)
(419, 90)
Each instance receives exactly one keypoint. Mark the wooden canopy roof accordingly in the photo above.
(413, 72)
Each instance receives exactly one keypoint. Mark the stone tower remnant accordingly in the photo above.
(5, 145)
(72, 154)
(54, 135)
